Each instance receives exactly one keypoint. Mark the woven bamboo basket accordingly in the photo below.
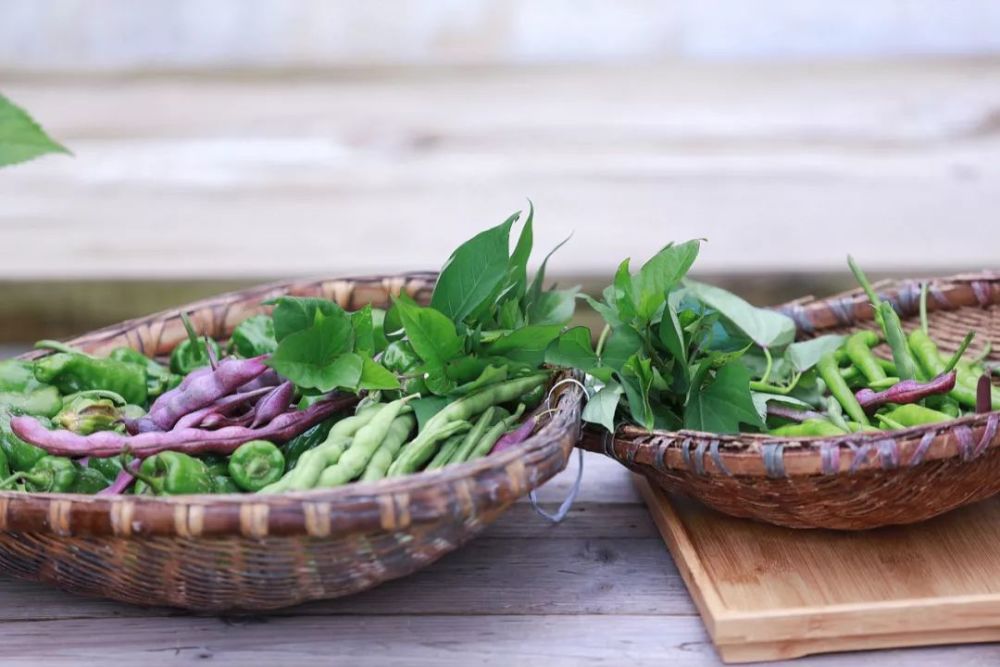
(848, 483)
(247, 552)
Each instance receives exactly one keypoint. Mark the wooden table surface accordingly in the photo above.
(600, 588)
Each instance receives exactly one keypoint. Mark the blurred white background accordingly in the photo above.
(249, 139)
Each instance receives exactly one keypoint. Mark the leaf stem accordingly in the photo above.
(955, 358)
(768, 388)
(769, 367)
(923, 308)
(601, 340)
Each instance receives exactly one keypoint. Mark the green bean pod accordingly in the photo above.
(383, 458)
(446, 452)
(808, 429)
(366, 442)
(423, 447)
(413, 463)
(859, 350)
(482, 425)
(490, 438)
(830, 373)
(906, 367)
(914, 414)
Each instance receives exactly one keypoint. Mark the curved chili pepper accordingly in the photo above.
(907, 391)
(830, 373)
(809, 428)
(914, 415)
(86, 415)
(171, 474)
(73, 372)
(51, 474)
(158, 378)
(858, 347)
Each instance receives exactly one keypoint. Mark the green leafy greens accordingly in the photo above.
(21, 138)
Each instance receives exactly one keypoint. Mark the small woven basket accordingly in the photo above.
(851, 482)
(249, 552)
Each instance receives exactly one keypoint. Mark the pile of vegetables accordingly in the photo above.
(679, 354)
(276, 407)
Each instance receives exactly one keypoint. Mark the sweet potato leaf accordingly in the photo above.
(431, 333)
(295, 313)
(21, 138)
(474, 272)
(806, 354)
(572, 350)
(601, 408)
(722, 403)
(767, 328)
(660, 274)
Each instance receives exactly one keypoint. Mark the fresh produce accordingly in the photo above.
(266, 412)
(678, 354)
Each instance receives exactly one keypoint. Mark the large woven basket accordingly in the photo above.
(852, 482)
(246, 552)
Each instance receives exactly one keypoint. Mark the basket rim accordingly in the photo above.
(459, 492)
(762, 455)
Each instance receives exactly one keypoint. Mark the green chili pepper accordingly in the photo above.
(172, 473)
(72, 373)
(86, 415)
(189, 355)
(256, 464)
(888, 319)
(253, 337)
(159, 379)
(216, 465)
(884, 383)
(107, 467)
(21, 456)
(18, 376)
(933, 364)
(830, 373)
(89, 480)
(224, 484)
(45, 402)
(51, 474)
(808, 428)
(302, 443)
(914, 414)
(859, 350)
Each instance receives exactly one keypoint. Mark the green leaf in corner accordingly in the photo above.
(660, 274)
(572, 350)
(314, 358)
(602, 407)
(636, 378)
(295, 313)
(364, 330)
(671, 332)
(519, 258)
(806, 354)
(535, 290)
(431, 333)
(722, 403)
(622, 343)
(21, 138)
(553, 307)
(374, 376)
(527, 344)
(474, 272)
(765, 327)
(623, 291)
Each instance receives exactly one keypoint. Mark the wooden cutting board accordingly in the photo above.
(767, 593)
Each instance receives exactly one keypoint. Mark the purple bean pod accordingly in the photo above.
(222, 406)
(984, 397)
(214, 420)
(200, 392)
(272, 405)
(268, 379)
(517, 436)
(193, 441)
(907, 391)
(793, 414)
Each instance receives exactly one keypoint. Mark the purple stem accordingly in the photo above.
(273, 404)
(200, 392)
(792, 414)
(122, 481)
(517, 436)
(907, 391)
(189, 440)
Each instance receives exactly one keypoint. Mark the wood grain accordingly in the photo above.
(767, 592)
